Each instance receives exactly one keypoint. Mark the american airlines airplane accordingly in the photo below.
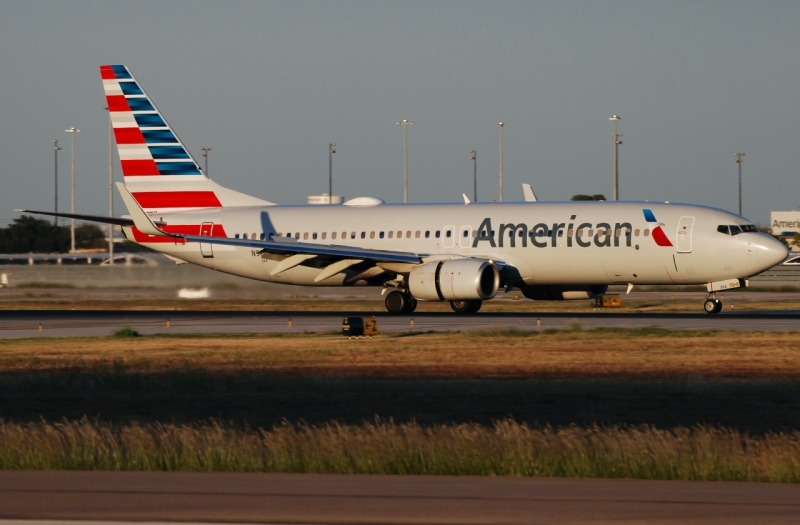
(461, 253)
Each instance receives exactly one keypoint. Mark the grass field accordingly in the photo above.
(646, 403)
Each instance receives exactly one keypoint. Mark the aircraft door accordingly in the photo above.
(465, 237)
(448, 236)
(205, 231)
(685, 225)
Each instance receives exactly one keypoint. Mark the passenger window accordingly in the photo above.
(466, 233)
(428, 234)
(417, 234)
(723, 228)
(560, 233)
(408, 235)
(363, 235)
(353, 235)
(253, 236)
(735, 230)
(580, 233)
(261, 237)
(344, 235)
(333, 235)
(380, 235)
(244, 236)
(305, 236)
(391, 234)
(371, 235)
(570, 233)
(324, 235)
(438, 234)
(314, 235)
(297, 235)
(618, 233)
(399, 235)
(449, 234)
(236, 236)
(636, 232)
(646, 232)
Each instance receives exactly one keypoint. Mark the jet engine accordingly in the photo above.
(454, 280)
(559, 292)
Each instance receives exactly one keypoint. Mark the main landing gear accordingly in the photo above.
(466, 307)
(398, 302)
(712, 304)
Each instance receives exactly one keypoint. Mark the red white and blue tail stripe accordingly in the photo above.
(157, 167)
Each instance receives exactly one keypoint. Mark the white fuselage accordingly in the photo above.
(562, 243)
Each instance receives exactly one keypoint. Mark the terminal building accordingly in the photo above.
(785, 224)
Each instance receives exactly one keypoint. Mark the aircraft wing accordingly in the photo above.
(294, 247)
(119, 221)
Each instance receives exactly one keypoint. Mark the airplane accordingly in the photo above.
(460, 253)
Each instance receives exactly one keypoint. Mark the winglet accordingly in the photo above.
(528, 192)
(140, 219)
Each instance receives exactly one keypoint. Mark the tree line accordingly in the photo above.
(31, 235)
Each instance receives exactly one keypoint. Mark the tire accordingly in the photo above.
(711, 307)
(396, 302)
(411, 305)
(465, 307)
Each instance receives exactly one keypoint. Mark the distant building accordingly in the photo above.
(325, 199)
(785, 224)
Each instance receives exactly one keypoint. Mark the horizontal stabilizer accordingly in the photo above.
(119, 221)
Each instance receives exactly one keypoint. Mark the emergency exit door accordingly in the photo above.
(205, 247)
(685, 225)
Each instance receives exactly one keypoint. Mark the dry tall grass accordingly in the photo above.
(504, 449)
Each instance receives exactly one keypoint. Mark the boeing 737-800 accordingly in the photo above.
(461, 253)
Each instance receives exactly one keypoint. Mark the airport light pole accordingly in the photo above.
(110, 188)
(473, 157)
(72, 131)
(501, 126)
(331, 151)
(405, 123)
(617, 142)
(205, 157)
(56, 149)
(739, 161)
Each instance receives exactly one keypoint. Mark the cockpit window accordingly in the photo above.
(723, 228)
(735, 230)
(749, 228)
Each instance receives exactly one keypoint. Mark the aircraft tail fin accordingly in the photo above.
(159, 170)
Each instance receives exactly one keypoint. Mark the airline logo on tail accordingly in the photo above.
(149, 151)
(658, 234)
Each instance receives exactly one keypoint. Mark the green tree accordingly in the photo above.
(30, 235)
(581, 197)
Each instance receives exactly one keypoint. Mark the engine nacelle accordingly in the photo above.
(454, 280)
(562, 292)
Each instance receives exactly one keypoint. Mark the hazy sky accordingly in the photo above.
(268, 84)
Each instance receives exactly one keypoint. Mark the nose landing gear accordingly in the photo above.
(712, 304)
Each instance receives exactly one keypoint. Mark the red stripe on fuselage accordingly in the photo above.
(177, 199)
(128, 135)
(139, 167)
(185, 229)
(117, 103)
(660, 237)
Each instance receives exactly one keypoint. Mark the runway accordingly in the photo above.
(65, 323)
(334, 499)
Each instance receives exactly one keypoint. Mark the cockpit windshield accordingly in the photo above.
(736, 229)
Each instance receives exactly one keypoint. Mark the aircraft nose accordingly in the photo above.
(771, 252)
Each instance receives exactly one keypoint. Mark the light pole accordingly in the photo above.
(110, 188)
(72, 131)
(473, 156)
(617, 142)
(205, 156)
(331, 151)
(405, 123)
(739, 162)
(56, 149)
(501, 126)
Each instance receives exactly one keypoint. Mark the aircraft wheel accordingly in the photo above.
(465, 307)
(411, 305)
(712, 306)
(396, 302)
